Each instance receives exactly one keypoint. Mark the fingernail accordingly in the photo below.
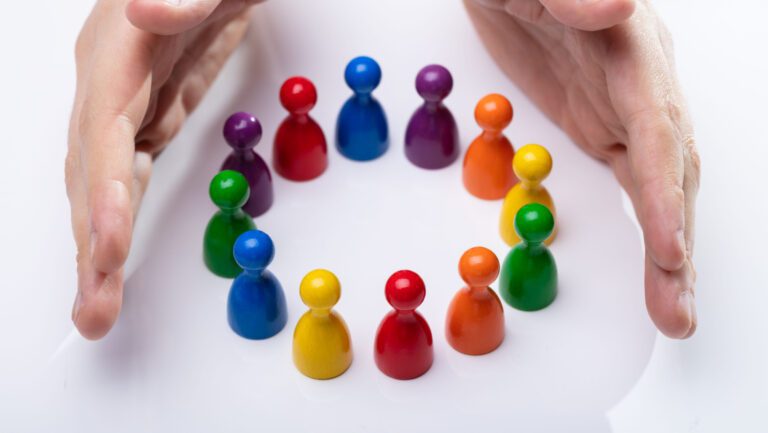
(687, 303)
(76, 306)
(174, 2)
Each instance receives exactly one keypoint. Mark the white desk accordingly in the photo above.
(171, 362)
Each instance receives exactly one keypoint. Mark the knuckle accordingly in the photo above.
(92, 124)
(692, 158)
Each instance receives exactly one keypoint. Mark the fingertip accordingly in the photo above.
(94, 324)
(616, 11)
(168, 17)
(98, 304)
(111, 226)
(670, 300)
(590, 15)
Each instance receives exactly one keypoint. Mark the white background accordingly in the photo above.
(591, 362)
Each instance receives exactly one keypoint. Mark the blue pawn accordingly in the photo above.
(256, 305)
(361, 131)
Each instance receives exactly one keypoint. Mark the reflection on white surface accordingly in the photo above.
(172, 356)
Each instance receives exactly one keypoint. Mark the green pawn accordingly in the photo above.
(529, 275)
(229, 191)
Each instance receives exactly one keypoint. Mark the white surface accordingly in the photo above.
(171, 361)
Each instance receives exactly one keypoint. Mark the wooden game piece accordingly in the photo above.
(229, 191)
(403, 347)
(362, 133)
(256, 306)
(529, 274)
(532, 164)
(474, 324)
(432, 137)
(487, 171)
(242, 132)
(300, 151)
(322, 348)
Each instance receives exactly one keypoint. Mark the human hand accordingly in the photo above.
(142, 67)
(604, 71)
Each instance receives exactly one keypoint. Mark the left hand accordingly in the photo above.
(604, 71)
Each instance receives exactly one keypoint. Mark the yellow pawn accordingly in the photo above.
(532, 164)
(322, 348)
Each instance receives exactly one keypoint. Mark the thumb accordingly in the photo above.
(590, 14)
(169, 17)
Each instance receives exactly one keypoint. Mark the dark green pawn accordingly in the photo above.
(529, 275)
(229, 191)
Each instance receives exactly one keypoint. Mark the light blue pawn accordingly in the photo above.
(256, 305)
(361, 130)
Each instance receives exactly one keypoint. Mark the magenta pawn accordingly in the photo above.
(432, 137)
(242, 132)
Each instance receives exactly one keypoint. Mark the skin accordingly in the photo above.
(601, 69)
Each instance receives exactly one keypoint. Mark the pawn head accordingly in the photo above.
(532, 162)
(405, 290)
(534, 222)
(362, 74)
(298, 95)
(479, 267)
(229, 190)
(320, 289)
(242, 131)
(493, 112)
(434, 83)
(254, 250)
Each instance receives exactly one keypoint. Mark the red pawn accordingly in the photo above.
(403, 341)
(300, 150)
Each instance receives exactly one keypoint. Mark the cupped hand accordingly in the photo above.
(604, 71)
(142, 66)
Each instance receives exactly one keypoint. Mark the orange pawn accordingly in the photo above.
(475, 321)
(487, 169)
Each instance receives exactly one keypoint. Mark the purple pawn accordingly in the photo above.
(432, 137)
(242, 132)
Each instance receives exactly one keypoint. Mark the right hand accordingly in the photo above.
(142, 67)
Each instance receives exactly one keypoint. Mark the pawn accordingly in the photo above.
(256, 304)
(487, 171)
(529, 275)
(532, 164)
(403, 341)
(361, 130)
(322, 348)
(432, 137)
(474, 324)
(242, 132)
(300, 151)
(229, 191)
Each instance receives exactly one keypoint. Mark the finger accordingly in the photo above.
(168, 17)
(589, 14)
(99, 300)
(669, 295)
(112, 102)
(669, 298)
(99, 296)
(643, 93)
(656, 163)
